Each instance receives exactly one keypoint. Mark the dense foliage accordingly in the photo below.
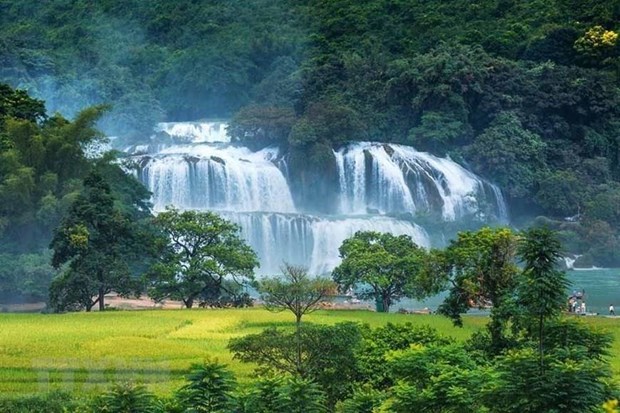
(102, 246)
(200, 251)
(382, 267)
(524, 92)
(44, 161)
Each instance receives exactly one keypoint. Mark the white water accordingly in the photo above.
(196, 132)
(570, 262)
(199, 170)
(311, 240)
(398, 179)
(217, 178)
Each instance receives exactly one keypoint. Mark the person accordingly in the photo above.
(611, 310)
(583, 308)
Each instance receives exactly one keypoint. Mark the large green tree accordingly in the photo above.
(382, 266)
(98, 242)
(479, 269)
(328, 354)
(199, 251)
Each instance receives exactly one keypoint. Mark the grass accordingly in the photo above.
(86, 352)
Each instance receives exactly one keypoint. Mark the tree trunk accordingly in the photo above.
(541, 327)
(300, 369)
(101, 299)
(386, 304)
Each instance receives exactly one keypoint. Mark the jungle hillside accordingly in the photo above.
(524, 93)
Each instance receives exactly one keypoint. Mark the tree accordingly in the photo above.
(364, 399)
(384, 266)
(596, 45)
(273, 394)
(98, 242)
(290, 394)
(481, 271)
(572, 382)
(295, 292)
(380, 343)
(199, 251)
(438, 378)
(543, 288)
(126, 398)
(26, 275)
(259, 126)
(15, 103)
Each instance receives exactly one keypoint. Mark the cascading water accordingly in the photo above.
(398, 179)
(195, 132)
(197, 168)
(217, 178)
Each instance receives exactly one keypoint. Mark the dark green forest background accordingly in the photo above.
(525, 93)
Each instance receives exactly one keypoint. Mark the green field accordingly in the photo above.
(85, 352)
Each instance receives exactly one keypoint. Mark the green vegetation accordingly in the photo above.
(44, 161)
(296, 292)
(524, 92)
(98, 242)
(383, 267)
(325, 355)
(200, 253)
(479, 269)
(156, 347)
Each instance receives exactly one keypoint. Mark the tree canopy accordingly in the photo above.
(382, 266)
(99, 242)
(199, 251)
(44, 161)
(295, 291)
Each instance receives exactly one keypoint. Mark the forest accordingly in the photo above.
(523, 93)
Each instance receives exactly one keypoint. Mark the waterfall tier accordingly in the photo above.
(194, 132)
(389, 178)
(311, 240)
(199, 169)
(218, 178)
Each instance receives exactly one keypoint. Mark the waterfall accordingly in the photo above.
(330, 234)
(569, 262)
(216, 177)
(382, 187)
(311, 240)
(195, 132)
(390, 178)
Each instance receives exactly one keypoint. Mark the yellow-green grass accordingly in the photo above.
(86, 352)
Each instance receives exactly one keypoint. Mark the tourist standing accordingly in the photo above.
(611, 310)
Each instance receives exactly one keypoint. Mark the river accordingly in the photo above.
(601, 286)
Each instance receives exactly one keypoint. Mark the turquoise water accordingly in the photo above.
(601, 286)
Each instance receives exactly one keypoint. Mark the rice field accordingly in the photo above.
(86, 352)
